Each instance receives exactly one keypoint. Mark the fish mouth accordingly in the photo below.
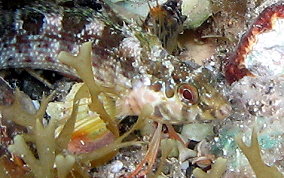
(194, 113)
(223, 112)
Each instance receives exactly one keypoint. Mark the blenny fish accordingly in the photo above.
(131, 61)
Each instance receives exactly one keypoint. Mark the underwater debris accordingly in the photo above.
(150, 156)
(232, 7)
(217, 170)
(197, 131)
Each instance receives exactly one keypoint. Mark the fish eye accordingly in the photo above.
(188, 93)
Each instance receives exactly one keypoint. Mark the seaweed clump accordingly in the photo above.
(51, 157)
(82, 63)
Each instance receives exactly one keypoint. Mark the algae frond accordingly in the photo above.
(19, 114)
(46, 146)
(82, 63)
(253, 155)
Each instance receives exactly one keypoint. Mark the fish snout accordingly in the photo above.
(223, 112)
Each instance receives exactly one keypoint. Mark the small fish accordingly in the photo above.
(131, 61)
(166, 21)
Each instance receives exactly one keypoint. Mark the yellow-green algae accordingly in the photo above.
(51, 150)
(253, 155)
(82, 63)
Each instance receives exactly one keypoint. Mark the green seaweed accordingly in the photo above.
(253, 154)
(82, 63)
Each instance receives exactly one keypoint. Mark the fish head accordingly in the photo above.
(194, 97)
(191, 98)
